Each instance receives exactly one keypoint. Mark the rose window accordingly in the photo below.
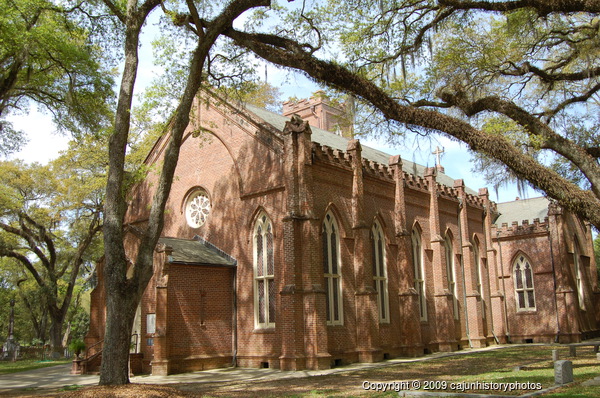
(197, 209)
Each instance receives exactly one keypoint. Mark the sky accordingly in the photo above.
(45, 144)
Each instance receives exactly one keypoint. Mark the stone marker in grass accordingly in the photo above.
(563, 372)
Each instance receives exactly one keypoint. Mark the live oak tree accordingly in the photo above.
(47, 59)
(517, 81)
(31, 325)
(31, 311)
(50, 220)
(206, 23)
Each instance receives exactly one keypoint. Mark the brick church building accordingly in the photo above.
(287, 245)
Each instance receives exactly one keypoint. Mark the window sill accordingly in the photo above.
(266, 330)
(526, 312)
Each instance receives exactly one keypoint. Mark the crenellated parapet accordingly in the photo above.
(451, 193)
(378, 170)
(475, 201)
(371, 168)
(326, 154)
(523, 227)
(416, 182)
(447, 192)
(319, 111)
(343, 159)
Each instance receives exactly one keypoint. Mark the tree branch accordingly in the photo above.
(29, 237)
(115, 10)
(42, 235)
(593, 151)
(5, 252)
(36, 324)
(286, 53)
(543, 7)
(549, 77)
(93, 228)
(567, 148)
(573, 100)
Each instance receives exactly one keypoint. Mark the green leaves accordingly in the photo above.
(47, 59)
(50, 220)
(257, 93)
(24, 187)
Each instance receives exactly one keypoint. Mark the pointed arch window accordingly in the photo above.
(451, 274)
(524, 290)
(478, 274)
(579, 275)
(331, 270)
(380, 272)
(264, 273)
(419, 272)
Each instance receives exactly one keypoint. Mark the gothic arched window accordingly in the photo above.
(579, 276)
(478, 275)
(264, 273)
(332, 271)
(417, 248)
(380, 272)
(451, 274)
(524, 290)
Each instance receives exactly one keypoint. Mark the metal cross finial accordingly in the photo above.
(437, 154)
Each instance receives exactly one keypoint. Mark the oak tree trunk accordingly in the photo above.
(56, 338)
(121, 305)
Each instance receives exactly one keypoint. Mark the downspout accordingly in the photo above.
(503, 287)
(557, 338)
(462, 267)
(234, 320)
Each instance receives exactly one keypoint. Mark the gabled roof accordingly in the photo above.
(338, 142)
(522, 209)
(197, 251)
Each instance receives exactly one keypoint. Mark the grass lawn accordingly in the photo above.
(27, 364)
(453, 374)
(530, 365)
(449, 374)
(499, 369)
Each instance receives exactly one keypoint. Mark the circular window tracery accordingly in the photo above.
(197, 209)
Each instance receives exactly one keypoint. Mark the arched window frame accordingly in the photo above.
(332, 270)
(578, 275)
(380, 279)
(419, 272)
(264, 273)
(478, 274)
(451, 273)
(524, 283)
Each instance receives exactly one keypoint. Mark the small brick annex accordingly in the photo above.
(290, 247)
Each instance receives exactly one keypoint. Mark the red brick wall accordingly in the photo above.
(200, 314)
(241, 167)
(549, 247)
